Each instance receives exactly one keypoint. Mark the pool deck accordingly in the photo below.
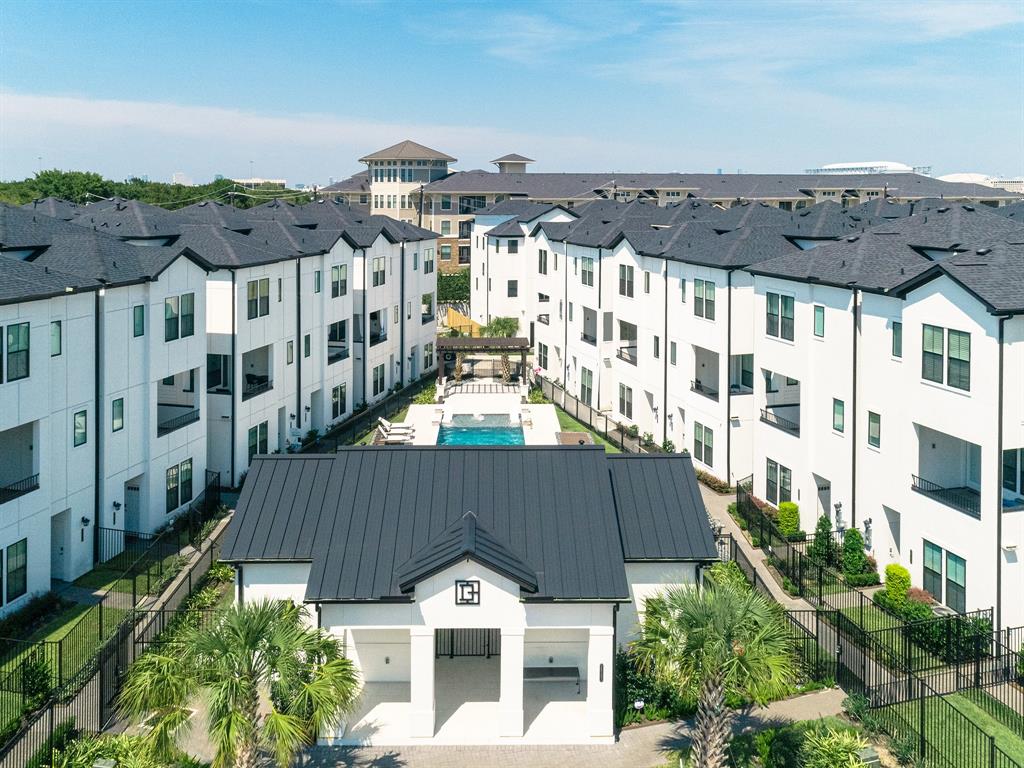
(540, 422)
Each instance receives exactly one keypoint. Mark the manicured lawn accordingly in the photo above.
(948, 730)
(111, 574)
(569, 424)
(873, 618)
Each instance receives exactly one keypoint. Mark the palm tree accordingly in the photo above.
(714, 642)
(502, 327)
(271, 682)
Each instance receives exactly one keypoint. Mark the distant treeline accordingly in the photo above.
(86, 187)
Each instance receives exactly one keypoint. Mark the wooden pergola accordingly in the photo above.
(493, 345)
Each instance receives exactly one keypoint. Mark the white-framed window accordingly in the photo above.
(626, 401)
(703, 444)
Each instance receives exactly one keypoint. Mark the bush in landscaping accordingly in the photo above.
(823, 548)
(35, 612)
(43, 757)
(904, 746)
(897, 584)
(831, 749)
(36, 681)
(220, 573)
(712, 482)
(660, 701)
(536, 397)
(728, 574)
(426, 397)
(668, 446)
(789, 518)
(854, 560)
(867, 579)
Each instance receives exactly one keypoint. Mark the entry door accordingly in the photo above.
(131, 507)
(824, 498)
(58, 543)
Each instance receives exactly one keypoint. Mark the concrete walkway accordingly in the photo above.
(648, 746)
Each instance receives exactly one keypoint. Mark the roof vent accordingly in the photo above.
(842, 263)
(943, 209)
(968, 207)
(983, 251)
(853, 239)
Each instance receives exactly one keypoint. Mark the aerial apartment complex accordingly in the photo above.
(147, 353)
(865, 362)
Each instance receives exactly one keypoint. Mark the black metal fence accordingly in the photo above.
(590, 417)
(85, 702)
(467, 642)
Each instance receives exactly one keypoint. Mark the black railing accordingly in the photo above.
(334, 354)
(251, 390)
(965, 500)
(769, 417)
(20, 488)
(703, 389)
(182, 420)
(588, 337)
(627, 353)
(378, 338)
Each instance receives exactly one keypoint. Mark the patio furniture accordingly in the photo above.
(552, 675)
(386, 438)
(389, 426)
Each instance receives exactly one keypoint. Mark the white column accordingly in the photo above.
(600, 671)
(511, 703)
(421, 681)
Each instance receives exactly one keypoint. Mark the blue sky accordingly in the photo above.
(304, 89)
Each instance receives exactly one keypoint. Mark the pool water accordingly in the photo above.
(487, 429)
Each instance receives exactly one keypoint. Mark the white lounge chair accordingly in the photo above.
(388, 426)
(387, 438)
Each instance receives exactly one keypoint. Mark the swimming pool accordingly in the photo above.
(480, 429)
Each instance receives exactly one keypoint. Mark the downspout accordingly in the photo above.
(999, 481)
(853, 431)
(298, 342)
(664, 366)
(234, 374)
(97, 395)
(728, 376)
(600, 316)
(366, 325)
(565, 325)
(401, 306)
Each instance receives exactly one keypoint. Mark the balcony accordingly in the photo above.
(704, 389)
(589, 338)
(377, 338)
(769, 417)
(177, 422)
(962, 499)
(256, 384)
(627, 353)
(544, 319)
(12, 491)
(336, 352)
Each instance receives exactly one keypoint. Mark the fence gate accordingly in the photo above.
(467, 642)
(114, 659)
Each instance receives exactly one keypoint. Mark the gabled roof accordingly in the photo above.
(221, 214)
(1014, 211)
(407, 150)
(281, 210)
(510, 228)
(357, 182)
(25, 281)
(55, 207)
(512, 158)
(130, 219)
(465, 539)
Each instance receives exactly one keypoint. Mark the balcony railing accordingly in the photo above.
(703, 389)
(376, 339)
(588, 337)
(184, 419)
(334, 354)
(544, 319)
(768, 417)
(627, 353)
(20, 488)
(966, 500)
(426, 318)
(256, 385)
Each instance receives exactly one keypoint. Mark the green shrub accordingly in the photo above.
(661, 701)
(426, 397)
(854, 560)
(62, 734)
(712, 482)
(668, 446)
(1020, 664)
(868, 579)
(856, 706)
(220, 573)
(831, 749)
(789, 518)
(36, 681)
(35, 612)
(731, 508)
(536, 397)
(904, 746)
(823, 548)
(729, 573)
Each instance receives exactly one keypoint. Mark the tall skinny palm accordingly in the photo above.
(714, 642)
(502, 327)
(269, 680)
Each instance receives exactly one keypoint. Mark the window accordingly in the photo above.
(257, 440)
(838, 415)
(819, 320)
(586, 385)
(117, 415)
(704, 299)
(17, 569)
(542, 262)
(703, 443)
(172, 489)
(672, 352)
(682, 289)
(172, 319)
(306, 345)
(428, 356)
(188, 315)
(55, 338)
(771, 486)
(446, 228)
(378, 270)
(587, 276)
(570, 311)
(428, 258)
(1010, 470)
(771, 322)
(932, 581)
(787, 317)
(657, 347)
(138, 320)
(338, 396)
(958, 372)
(542, 355)
(378, 379)
(932, 343)
(17, 351)
(415, 260)
(956, 582)
(258, 298)
(625, 280)
(446, 202)
(280, 291)
(647, 281)
(316, 281)
(337, 341)
(874, 430)
(427, 307)
(80, 429)
(625, 401)
(465, 254)
(289, 353)
(513, 246)
(897, 339)
(513, 288)
(185, 481)
(339, 280)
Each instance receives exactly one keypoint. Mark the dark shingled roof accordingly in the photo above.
(1014, 211)
(549, 516)
(407, 150)
(512, 158)
(509, 228)
(26, 281)
(357, 182)
(55, 207)
(222, 214)
(520, 208)
(130, 219)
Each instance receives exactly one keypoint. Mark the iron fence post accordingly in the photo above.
(921, 719)
(992, 751)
